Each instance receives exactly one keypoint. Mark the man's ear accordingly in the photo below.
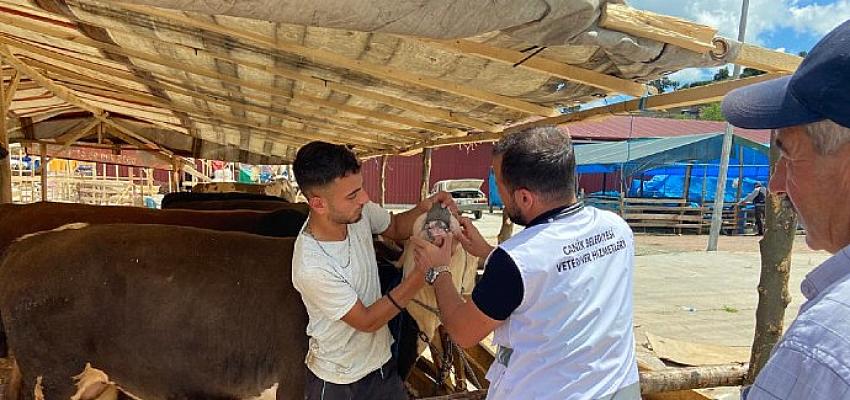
(317, 204)
(524, 198)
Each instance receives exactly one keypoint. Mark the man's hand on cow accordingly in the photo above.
(429, 255)
(472, 240)
(444, 198)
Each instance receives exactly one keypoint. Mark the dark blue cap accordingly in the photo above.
(818, 90)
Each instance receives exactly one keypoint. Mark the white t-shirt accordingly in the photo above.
(330, 285)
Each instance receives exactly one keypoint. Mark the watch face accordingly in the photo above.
(431, 275)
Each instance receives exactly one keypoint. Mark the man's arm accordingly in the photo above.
(375, 316)
(495, 297)
(401, 226)
(467, 325)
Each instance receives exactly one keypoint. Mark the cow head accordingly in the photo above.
(463, 268)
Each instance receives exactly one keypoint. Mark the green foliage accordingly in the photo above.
(711, 112)
(663, 84)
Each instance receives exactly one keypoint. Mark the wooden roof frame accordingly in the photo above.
(375, 132)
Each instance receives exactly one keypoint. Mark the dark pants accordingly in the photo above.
(759, 210)
(381, 384)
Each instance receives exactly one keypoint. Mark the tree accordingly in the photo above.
(751, 72)
(664, 83)
(721, 75)
(711, 112)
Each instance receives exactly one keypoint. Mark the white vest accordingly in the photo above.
(571, 337)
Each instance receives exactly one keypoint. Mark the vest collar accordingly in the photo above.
(556, 213)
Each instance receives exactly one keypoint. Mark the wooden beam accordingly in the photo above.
(546, 66)
(766, 60)
(215, 75)
(5, 160)
(382, 197)
(337, 60)
(43, 167)
(675, 379)
(13, 87)
(72, 137)
(289, 73)
(75, 134)
(164, 85)
(171, 105)
(661, 28)
(426, 174)
(679, 98)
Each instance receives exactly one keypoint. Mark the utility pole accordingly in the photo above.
(720, 193)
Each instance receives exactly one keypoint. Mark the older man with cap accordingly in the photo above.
(811, 110)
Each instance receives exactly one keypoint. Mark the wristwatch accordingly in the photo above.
(433, 272)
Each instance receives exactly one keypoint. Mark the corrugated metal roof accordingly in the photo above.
(641, 154)
(621, 127)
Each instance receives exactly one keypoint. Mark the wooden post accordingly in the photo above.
(687, 189)
(382, 180)
(426, 173)
(507, 229)
(132, 178)
(676, 379)
(5, 162)
(740, 173)
(775, 247)
(176, 172)
(44, 161)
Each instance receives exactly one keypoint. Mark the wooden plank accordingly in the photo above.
(543, 65)
(679, 98)
(663, 217)
(424, 187)
(5, 160)
(43, 167)
(659, 225)
(767, 60)
(338, 60)
(13, 87)
(71, 137)
(675, 379)
(661, 28)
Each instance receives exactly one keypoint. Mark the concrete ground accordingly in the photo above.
(683, 292)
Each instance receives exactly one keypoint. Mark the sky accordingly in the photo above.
(791, 26)
(786, 25)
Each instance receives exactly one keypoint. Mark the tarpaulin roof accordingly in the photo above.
(641, 154)
(253, 80)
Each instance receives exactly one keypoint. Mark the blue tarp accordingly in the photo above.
(635, 156)
(668, 182)
(661, 165)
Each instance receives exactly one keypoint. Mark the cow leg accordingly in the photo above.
(57, 382)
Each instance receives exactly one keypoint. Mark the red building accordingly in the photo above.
(473, 161)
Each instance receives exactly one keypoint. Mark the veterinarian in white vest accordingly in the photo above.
(558, 295)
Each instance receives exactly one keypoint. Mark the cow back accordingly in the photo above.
(20, 220)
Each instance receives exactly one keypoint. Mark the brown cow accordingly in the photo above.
(19, 220)
(227, 201)
(167, 312)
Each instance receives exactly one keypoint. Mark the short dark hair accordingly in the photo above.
(539, 159)
(320, 163)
